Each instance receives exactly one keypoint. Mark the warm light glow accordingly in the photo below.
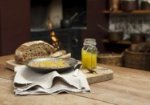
(52, 33)
(55, 41)
(49, 25)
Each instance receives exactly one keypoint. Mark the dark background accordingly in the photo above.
(15, 23)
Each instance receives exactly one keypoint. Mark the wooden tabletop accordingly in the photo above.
(129, 87)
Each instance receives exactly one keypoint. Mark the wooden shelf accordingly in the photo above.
(118, 42)
(124, 12)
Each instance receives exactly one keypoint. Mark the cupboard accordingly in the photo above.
(130, 23)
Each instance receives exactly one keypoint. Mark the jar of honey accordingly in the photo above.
(89, 53)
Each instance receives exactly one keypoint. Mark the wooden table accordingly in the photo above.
(129, 87)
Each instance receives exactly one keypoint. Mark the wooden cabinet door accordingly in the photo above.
(14, 24)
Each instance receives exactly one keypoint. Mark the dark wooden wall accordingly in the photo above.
(96, 16)
(15, 23)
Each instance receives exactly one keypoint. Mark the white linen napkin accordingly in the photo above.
(28, 82)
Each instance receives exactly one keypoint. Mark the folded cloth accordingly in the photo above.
(28, 82)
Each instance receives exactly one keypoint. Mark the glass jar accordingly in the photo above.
(114, 5)
(89, 53)
(145, 4)
(129, 5)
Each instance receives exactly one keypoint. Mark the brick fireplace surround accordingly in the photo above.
(15, 23)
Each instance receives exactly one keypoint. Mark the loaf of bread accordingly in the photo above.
(32, 49)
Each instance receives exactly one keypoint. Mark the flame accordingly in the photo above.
(55, 41)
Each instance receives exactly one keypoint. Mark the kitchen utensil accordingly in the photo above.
(137, 38)
(41, 69)
(137, 60)
(103, 28)
(129, 5)
(65, 23)
(114, 5)
(113, 36)
(145, 5)
(110, 59)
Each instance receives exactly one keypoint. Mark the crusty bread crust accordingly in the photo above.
(32, 49)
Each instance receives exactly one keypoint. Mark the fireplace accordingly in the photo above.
(15, 21)
(54, 15)
(51, 14)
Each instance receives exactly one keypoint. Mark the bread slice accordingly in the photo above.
(58, 53)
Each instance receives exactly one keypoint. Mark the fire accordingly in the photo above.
(55, 41)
